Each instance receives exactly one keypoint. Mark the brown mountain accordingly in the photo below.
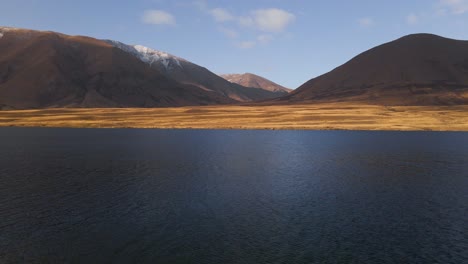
(255, 81)
(46, 69)
(187, 72)
(420, 69)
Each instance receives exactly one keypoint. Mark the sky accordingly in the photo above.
(286, 41)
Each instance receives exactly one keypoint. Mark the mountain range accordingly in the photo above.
(43, 69)
(187, 72)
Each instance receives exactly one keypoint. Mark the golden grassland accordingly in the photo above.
(314, 117)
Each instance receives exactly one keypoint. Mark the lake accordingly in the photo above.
(227, 196)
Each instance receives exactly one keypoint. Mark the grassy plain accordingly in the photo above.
(313, 117)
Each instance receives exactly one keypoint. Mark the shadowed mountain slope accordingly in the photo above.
(420, 69)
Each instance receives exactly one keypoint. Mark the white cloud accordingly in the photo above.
(366, 22)
(264, 39)
(230, 33)
(221, 15)
(412, 19)
(456, 7)
(264, 22)
(246, 21)
(268, 20)
(260, 40)
(272, 20)
(246, 44)
(158, 17)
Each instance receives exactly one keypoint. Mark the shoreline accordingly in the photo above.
(231, 128)
(336, 116)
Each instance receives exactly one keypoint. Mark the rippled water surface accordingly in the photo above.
(216, 196)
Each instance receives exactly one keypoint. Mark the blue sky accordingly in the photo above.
(287, 41)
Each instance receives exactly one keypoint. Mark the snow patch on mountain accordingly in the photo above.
(6, 29)
(148, 55)
(124, 47)
(151, 56)
(3, 30)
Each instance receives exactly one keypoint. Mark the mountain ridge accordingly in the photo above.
(188, 72)
(41, 69)
(255, 81)
(417, 69)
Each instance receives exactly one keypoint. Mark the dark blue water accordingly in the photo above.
(207, 196)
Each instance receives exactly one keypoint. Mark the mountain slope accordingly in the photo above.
(420, 69)
(187, 72)
(46, 69)
(255, 81)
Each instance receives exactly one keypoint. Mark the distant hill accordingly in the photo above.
(420, 69)
(41, 69)
(255, 81)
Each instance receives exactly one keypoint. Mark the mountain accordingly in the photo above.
(419, 69)
(187, 72)
(47, 69)
(41, 69)
(255, 81)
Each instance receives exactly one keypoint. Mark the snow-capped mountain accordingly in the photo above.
(151, 56)
(187, 72)
(148, 55)
(40, 69)
(3, 30)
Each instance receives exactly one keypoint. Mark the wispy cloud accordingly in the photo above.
(366, 22)
(158, 17)
(264, 38)
(412, 19)
(268, 20)
(246, 44)
(221, 15)
(456, 7)
(265, 23)
(230, 33)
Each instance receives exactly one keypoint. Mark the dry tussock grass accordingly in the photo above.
(314, 117)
